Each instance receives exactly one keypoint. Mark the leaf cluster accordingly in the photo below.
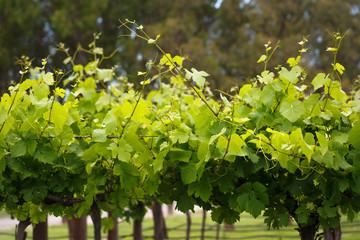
(275, 147)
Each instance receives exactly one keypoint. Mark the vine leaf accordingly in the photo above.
(291, 75)
(292, 111)
(18, 149)
(48, 78)
(354, 134)
(188, 173)
(203, 189)
(319, 81)
(99, 135)
(197, 76)
(266, 77)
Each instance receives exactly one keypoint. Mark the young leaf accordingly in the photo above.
(262, 58)
(104, 74)
(292, 111)
(60, 92)
(323, 143)
(266, 77)
(48, 78)
(319, 81)
(291, 75)
(338, 67)
(225, 100)
(198, 77)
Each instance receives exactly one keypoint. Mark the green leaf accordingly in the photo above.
(18, 149)
(254, 207)
(293, 62)
(319, 81)
(133, 140)
(203, 151)
(128, 174)
(203, 189)
(99, 135)
(214, 137)
(252, 198)
(2, 160)
(236, 144)
(26, 85)
(165, 59)
(3, 115)
(323, 143)
(58, 116)
(121, 151)
(306, 149)
(78, 68)
(266, 77)
(331, 49)
(224, 214)
(292, 111)
(89, 167)
(302, 214)
(184, 203)
(188, 173)
(45, 154)
(337, 93)
(104, 74)
(225, 100)
(181, 155)
(197, 76)
(159, 161)
(91, 67)
(48, 78)
(178, 60)
(262, 58)
(153, 41)
(354, 134)
(338, 67)
(102, 102)
(60, 92)
(267, 96)
(291, 75)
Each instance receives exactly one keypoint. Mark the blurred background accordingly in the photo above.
(222, 37)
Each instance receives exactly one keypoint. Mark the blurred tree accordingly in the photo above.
(223, 37)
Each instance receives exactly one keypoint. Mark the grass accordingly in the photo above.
(247, 228)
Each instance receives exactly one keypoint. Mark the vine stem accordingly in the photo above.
(188, 81)
(229, 139)
(13, 100)
(147, 38)
(137, 100)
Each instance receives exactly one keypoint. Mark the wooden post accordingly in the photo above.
(138, 229)
(77, 228)
(188, 225)
(96, 218)
(20, 233)
(138, 222)
(203, 225)
(160, 231)
(113, 234)
(332, 234)
(217, 231)
(40, 231)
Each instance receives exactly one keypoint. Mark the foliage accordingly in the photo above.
(270, 148)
